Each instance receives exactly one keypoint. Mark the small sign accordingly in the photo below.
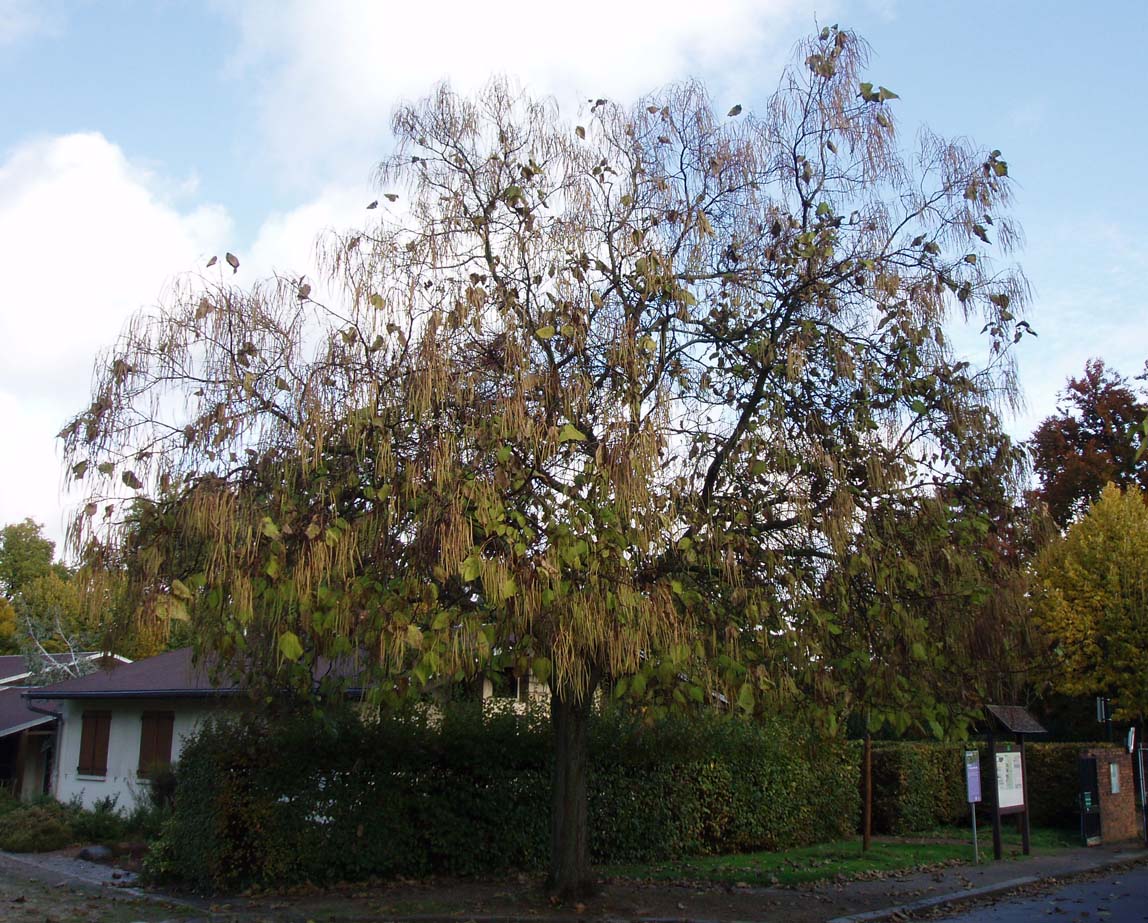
(973, 775)
(1132, 740)
(1010, 781)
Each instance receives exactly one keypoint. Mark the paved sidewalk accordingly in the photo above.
(521, 897)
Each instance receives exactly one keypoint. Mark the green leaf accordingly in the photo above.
(541, 667)
(545, 333)
(885, 93)
(745, 698)
(570, 433)
(173, 609)
(180, 590)
(289, 646)
(129, 478)
(471, 568)
(105, 468)
(268, 528)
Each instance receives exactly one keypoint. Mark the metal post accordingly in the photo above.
(976, 848)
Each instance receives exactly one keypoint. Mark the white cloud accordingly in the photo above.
(1089, 303)
(328, 75)
(88, 238)
(21, 19)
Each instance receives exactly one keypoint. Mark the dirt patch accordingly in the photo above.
(29, 900)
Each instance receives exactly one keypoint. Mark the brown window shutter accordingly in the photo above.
(87, 743)
(147, 743)
(94, 734)
(164, 729)
(155, 740)
(103, 732)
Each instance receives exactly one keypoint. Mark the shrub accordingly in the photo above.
(36, 828)
(921, 786)
(102, 824)
(470, 793)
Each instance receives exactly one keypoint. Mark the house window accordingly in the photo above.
(155, 740)
(506, 684)
(94, 743)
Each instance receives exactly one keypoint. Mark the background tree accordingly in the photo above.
(9, 629)
(609, 401)
(925, 619)
(1091, 601)
(1095, 437)
(24, 556)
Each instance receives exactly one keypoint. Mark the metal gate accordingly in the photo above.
(1089, 797)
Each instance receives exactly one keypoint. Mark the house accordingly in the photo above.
(119, 724)
(27, 743)
(114, 727)
(28, 731)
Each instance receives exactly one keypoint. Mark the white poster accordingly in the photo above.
(1010, 784)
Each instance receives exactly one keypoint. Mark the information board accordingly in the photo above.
(973, 775)
(1010, 782)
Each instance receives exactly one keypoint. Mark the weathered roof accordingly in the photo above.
(170, 675)
(16, 715)
(173, 674)
(1015, 719)
(14, 667)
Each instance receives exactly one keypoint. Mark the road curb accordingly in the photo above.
(970, 894)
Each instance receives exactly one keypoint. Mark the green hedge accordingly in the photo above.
(346, 801)
(921, 786)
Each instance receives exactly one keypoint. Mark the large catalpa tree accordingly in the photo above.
(602, 398)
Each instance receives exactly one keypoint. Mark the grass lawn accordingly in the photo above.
(843, 857)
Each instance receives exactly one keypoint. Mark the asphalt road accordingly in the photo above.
(1121, 897)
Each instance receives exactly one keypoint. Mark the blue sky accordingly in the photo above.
(138, 138)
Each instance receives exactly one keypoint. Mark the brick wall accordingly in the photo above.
(1118, 817)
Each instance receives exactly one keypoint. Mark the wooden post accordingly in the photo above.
(21, 758)
(998, 848)
(1024, 826)
(867, 783)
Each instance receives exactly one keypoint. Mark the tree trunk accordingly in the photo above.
(570, 876)
(867, 787)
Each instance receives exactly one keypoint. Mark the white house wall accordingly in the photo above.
(122, 779)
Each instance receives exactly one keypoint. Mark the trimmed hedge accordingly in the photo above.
(347, 801)
(921, 786)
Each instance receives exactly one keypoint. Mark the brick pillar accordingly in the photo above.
(1118, 818)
